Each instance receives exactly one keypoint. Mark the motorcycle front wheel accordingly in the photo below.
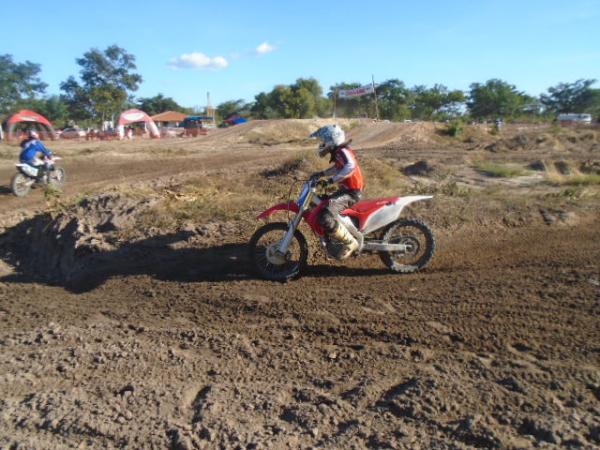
(419, 241)
(20, 185)
(268, 262)
(57, 176)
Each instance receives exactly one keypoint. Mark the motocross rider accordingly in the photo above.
(31, 147)
(346, 172)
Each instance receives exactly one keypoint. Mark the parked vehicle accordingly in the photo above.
(575, 119)
(279, 250)
(28, 176)
(72, 133)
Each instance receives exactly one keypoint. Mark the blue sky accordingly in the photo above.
(185, 48)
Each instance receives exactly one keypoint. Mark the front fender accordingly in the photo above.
(290, 206)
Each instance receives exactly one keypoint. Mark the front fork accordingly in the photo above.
(311, 198)
(289, 234)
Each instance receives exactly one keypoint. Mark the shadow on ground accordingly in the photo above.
(157, 257)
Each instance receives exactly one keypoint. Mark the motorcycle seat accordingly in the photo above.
(365, 206)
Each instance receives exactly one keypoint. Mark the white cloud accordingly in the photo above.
(197, 60)
(264, 48)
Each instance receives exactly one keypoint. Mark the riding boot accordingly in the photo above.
(342, 234)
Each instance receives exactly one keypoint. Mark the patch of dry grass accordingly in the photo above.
(575, 179)
(496, 170)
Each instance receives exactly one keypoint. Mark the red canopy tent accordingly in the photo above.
(133, 116)
(30, 117)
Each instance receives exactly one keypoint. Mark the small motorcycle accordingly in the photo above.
(47, 173)
(279, 251)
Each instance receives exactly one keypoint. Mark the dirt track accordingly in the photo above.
(495, 345)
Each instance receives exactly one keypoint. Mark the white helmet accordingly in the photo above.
(331, 136)
(32, 134)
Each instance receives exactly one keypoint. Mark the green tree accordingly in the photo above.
(262, 109)
(436, 103)
(495, 98)
(52, 107)
(233, 107)
(18, 82)
(574, 97)
(107, 81)
(307, 95)
(351, 106)
(300, 100)
(157, 104)
(395, 100)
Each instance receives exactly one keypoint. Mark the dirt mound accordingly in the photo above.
(369, 134)
(553, 140)
(274, 132)
(110, 234)
(365, 133)
(298, 167)
(590, 167)
(515, 143)
(420, 168)
(61, 246)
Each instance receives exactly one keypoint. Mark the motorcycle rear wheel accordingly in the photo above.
(262, 244)
(420, 242)
(20, 185)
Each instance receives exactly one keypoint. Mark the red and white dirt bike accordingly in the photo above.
(47, 173)
(279, 251)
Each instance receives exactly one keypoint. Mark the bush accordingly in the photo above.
(455, 128)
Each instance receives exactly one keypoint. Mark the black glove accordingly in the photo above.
(324, 183)
(317, 175)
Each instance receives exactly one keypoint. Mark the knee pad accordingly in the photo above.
(327, 221)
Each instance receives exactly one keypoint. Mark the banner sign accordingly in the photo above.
(356, 92)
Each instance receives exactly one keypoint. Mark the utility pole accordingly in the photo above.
(335, 96)
(375, 94)
(209, 109)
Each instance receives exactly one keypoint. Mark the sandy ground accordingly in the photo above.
(495, 345)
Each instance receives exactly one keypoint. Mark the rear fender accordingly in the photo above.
(27, 170)
(404, 201)
(290, 206)
(390, 213)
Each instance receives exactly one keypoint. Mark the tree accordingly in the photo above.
(18, 82)
(52, 107)
(436, 103)
(574, 97)
(351, 106)
(157, 104)
(107, 81)
(495, 98)
(261, 109)
(233, 107)
(300, 100)
(395, 100)
(307, 97)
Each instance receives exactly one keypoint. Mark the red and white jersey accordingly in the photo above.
(346, 170)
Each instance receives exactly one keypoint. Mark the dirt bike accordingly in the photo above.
(28, 176)
(279, 251)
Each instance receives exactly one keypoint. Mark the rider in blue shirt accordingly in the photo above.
(32, 146)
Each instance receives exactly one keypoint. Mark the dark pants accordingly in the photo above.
(338, 202)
